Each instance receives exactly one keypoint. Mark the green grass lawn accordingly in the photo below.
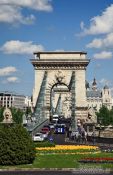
(56, 161)
(64, 161)
(68, 161)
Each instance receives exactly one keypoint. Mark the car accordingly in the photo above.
(38, 137)
(45, 129)
(52, 125)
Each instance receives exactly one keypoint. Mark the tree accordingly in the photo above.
(103, 116)
(16, 145)
(28, 110)
(17, 115)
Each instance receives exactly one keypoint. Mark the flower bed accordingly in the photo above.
(68, 149)
(97, 160)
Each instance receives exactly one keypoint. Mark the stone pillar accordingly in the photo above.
(39, 74)
(80, 89)
(80, 93)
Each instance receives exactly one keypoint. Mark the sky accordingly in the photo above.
(28, 26)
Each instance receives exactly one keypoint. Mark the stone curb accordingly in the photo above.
(91, 170)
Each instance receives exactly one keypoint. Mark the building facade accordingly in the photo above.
(98, 97)
(10, 99)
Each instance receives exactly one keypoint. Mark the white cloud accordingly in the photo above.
(107, 82)
(12, 80)
(96, 43)
(43, 5)
(106, 42)
(12, 14)
(104, 81)
(7, 71)
(100, 24)
(11, 11)
(20, 47)
(103, 55)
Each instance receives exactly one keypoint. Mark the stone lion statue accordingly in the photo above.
(92, 118)
(7, 116)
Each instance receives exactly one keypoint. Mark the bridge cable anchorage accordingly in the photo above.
(39, 111)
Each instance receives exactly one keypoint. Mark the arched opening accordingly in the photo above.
(60, 100)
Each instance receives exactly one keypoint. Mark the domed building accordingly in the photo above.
(96, 97)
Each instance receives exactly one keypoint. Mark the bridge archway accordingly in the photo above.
(60, 97)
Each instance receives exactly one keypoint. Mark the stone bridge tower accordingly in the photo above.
(58, 73)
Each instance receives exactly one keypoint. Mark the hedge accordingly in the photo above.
(16, 145)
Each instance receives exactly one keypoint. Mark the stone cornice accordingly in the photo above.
(63, 64)
(60, 52)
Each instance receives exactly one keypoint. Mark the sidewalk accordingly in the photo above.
(84, 171)
(69, 141)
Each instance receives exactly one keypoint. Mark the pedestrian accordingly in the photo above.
(51, 139)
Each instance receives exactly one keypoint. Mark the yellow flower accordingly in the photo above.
(69, 147)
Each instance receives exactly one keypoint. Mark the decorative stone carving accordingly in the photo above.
(59, 76)
(92, 118)
(7, 116)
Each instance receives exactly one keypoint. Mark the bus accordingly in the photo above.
(60, 129)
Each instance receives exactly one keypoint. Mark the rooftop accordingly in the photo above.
(11, 93)
(61, 52)
(92, 93)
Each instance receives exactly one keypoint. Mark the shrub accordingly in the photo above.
(16, 146)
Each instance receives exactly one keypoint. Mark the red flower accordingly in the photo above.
(97, 159)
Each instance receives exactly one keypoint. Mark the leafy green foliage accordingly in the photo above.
(105, 116)
(1, 114)
(16, 146)
(17, 115)
(28, 110)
